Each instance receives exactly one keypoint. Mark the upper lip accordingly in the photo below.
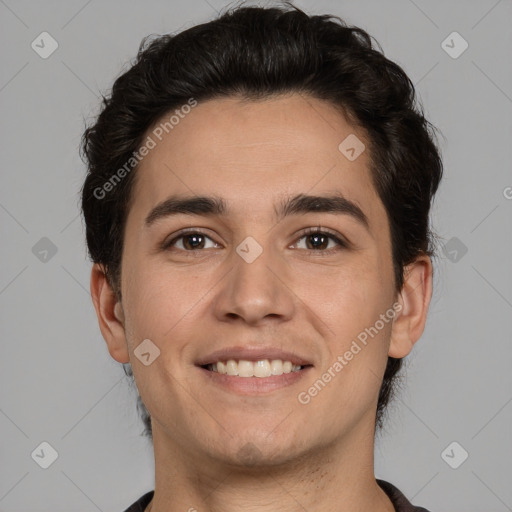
(252, 354)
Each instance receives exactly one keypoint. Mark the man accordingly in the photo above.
(257, 211)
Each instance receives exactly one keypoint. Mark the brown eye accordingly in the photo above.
(189, 241)
(317, 241)
(321, 241)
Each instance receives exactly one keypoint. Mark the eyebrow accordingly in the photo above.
(216, 206)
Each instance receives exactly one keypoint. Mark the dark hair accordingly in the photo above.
(256, 53)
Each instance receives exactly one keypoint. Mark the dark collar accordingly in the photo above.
(400, 502)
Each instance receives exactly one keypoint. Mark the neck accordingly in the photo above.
(333, 478)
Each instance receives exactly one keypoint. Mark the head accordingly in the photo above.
(252, 109)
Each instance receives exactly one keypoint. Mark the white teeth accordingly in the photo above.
(276, 366)
(231, 367)
(245, 368)
(261, 368)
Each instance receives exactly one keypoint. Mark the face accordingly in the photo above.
(271, 276)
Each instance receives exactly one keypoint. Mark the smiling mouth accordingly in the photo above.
(262, 368)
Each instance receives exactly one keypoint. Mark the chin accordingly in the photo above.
(257, 449)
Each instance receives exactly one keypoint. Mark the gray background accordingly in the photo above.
(57, 381)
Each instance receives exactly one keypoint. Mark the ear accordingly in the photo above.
(414, 299)
(110, 314)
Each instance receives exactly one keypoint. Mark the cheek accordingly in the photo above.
(349, 297)
(157, 305)
(153, 301)
(166, 305)
(350, 301)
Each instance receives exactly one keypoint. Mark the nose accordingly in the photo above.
(255, 291)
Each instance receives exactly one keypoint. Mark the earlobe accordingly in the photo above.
(110, 314)
(414, 299)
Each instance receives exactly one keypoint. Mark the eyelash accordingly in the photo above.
(167, 245)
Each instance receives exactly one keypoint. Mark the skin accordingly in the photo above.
(216, 449)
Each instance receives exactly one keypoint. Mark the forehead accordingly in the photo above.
(252, 152)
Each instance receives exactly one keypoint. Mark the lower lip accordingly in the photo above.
(254, 385)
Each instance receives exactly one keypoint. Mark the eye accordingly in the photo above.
(189, 241)
(320, 240)
(315, 239)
